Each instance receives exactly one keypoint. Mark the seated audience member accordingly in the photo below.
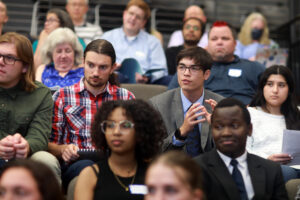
(75, 106)
(254, 35)
(77, 10)
(176, 176)
(230, 76)
(177, 37)
(184, 110)
(273, 109)
(3, 16)
(26, 105)
(61, 55)
(28, 179)
(132, 132)
(229, 171)
(131, 41)
(192, 32)
(55, 18)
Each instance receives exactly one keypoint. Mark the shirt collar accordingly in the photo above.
(81, 87)
(235, 60)
(187, 104)
(125, 37)
(241, 159)
(12, 92)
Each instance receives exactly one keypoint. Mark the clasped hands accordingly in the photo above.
(14, 146)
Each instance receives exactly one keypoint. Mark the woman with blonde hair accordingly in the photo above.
(254, 35)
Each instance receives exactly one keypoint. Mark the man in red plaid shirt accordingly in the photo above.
(75, 106)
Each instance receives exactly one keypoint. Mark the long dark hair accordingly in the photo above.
(289, 108)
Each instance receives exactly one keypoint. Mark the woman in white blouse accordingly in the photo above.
(273, 109)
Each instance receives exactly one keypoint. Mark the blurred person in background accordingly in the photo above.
(3, 15)
(62, 54)
(254, 35)
(77, 10)
(55, 18)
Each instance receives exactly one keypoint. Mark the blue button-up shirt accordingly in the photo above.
(145, 48)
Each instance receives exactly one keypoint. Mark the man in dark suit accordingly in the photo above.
(185, 110)
(229, 172)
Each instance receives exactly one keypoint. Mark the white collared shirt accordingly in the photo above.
(243, 167)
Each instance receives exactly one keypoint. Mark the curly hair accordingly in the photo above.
(148, 124)
(245, 34)
(289, 107)
(45, 179)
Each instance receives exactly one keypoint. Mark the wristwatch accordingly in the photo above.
(178, 135)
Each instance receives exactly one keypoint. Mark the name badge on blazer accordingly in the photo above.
(138, 189)
(235, 72)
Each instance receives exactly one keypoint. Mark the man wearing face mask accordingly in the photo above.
(254, 35)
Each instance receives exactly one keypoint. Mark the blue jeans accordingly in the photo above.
(289, 173)
(72, 170)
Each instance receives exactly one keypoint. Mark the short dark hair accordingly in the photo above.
(230, 102)
(45, 179)
(148, 124)
(224, 24)
(202, 24)
(64, 18)
(199, 55)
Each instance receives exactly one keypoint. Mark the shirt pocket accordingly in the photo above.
(75, 116)
(22, 123)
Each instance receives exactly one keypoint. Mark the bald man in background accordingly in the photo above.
(176, 38)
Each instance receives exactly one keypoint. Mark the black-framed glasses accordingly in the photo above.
(9, 60)
(191, 68)
(109, 126)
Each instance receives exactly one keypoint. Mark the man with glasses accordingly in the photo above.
(77, 10)
(75, 106)
(185, 110)
(230, 76)
(26, 105)
(192, 32)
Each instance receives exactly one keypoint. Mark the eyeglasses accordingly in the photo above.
(195, 28)
(109, 126)
(9, 60)
(192, 68)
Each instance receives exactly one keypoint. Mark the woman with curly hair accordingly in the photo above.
(254, 35)
(273, 109)
(131, 132)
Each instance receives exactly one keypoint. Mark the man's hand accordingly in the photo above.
(281, 158)
(140, 78)
(7, 150)
(190, 119)
(69, 153)
(21, 146)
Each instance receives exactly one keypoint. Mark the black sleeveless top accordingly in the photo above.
(107, 187)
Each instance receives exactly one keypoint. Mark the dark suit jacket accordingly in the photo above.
(218, 183)
(169, 105)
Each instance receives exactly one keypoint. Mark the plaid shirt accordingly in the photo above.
(74, 109)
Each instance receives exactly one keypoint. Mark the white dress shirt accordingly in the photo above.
(243, 167)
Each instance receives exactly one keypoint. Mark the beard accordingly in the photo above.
(191, 42)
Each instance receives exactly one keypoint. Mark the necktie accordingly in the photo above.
(238, 179)
(193, 141)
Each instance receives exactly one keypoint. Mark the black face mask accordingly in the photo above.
(256, 33)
